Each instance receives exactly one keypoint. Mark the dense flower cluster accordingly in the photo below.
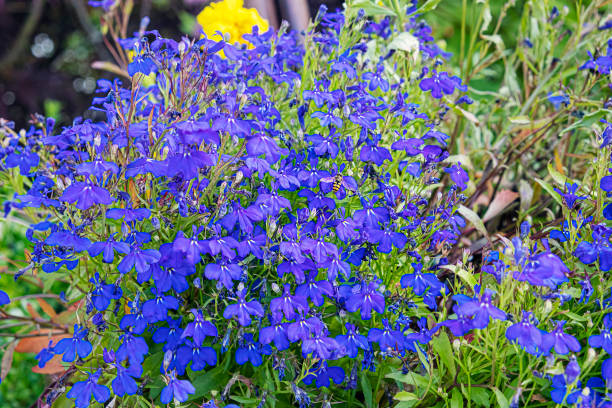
(238, 205)
(233, 219)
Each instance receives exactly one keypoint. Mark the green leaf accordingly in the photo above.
(206, 381)
(63, 402)
(428, 6)
(550, 190)
(245, 400)
(474, 219)
(557, 176)
(366, 388)
(406, 396)
(442, 346)
(480, 396)
(406, 404)
(502, 401)
(588, 120)
(371, 8)
(416, 380)
(456, 399)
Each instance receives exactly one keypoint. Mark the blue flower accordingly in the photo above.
(139, 259)
(322, 375)
(320, 346)
(600, 248)
(199, 328)
(482, 309)
(243, 310)
(132, 348)
(128, 214)
(156, 309)
(77, 345)
(86, 195)
(276, 332)
(459, 326)
(107, 249)
(251, 351)
(289, 304)
(560, 341)
(103, 293)
(526, 334)
(440, 84)
(223, 272)
(82, 391)
(569, 196)
(603, 339)
(458, 175)
(366, 299)
(387, 338)
(200, 357)
(352, 341)
(4, 298)
(420, 282)
(176, 389)
(560, 392)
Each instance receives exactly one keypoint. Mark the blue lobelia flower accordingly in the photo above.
(176, 389)
(123, 383)
(482, 309)
(77, 345)
(458, 175)
(366, 299)
(352, 341)
(86, 195)
(224, 273)
(193, 248)
(200, 357)
(199, 328)
(569, 196)
(135, 320)
(139, 259)
(304, 327)
(560, 392)
(4, 298)
(156, 309)
(543, 269)
(440, 84)
(320, 346)
(387, 338)
(82, 391)
(103, 293)
(251, 351)
(387, 238)
(600, 248)
(526, 334)
(172, 336)
(289, 305)
(560, 341)
(128, 214)
(132, 349)
(322, 375)
(420, 282)
(606, 371)
(603, 339)
(243, 310)
(107, 249)
(314, 290)
(96, 168)
(276, 332)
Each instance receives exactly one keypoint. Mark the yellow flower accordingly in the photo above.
(231, 18)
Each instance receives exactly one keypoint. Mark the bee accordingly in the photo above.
(337, 183)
